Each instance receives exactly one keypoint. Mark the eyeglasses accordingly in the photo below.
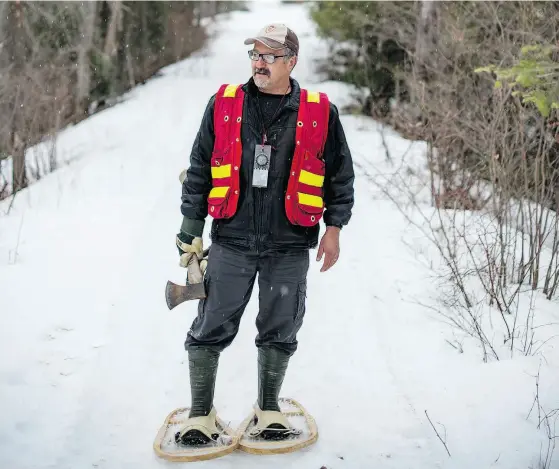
(268, 58)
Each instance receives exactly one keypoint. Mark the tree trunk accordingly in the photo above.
(89, 14)
(15, 39)
(129, 64)
(111, 43)
(426, 36)
(144, 39)
(111, 49)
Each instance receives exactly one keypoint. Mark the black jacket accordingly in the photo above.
(260, 222)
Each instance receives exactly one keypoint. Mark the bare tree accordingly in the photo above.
(61, 61)
(88, 13)
(15, 45)
(492, 163)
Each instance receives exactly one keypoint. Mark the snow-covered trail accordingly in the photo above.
(92, 360)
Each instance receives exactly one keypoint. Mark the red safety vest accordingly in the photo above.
(304, 203)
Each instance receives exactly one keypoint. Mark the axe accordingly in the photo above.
(194, 288)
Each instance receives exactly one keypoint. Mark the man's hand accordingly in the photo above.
(189, 246)
(330, 246)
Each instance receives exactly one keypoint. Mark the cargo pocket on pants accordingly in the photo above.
(301, 298)
(203, 301)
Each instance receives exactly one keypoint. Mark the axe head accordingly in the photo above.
(194, 288)
(177, 294)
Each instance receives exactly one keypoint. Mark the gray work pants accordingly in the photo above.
(230, 278)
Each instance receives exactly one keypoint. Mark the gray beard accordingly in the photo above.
(261, 82)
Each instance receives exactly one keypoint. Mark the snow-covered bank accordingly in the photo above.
(92, 361)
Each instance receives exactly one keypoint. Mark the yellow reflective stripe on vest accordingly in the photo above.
(311, 179)
(313, 97)
(219, 172)
(230, 91)
(218, 192)
(311, 200)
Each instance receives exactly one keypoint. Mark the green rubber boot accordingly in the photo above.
(200, 427)
(272, 365)
(203, 371)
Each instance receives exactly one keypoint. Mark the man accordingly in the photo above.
(249, 157)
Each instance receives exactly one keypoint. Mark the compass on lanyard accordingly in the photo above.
(262, 160)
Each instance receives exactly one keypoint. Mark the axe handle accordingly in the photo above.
(194, 273)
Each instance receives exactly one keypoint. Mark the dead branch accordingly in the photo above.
(439, 436)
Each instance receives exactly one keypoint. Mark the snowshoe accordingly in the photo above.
(194, 439)
(271, 432)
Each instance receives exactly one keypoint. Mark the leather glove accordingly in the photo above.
(203, 265)
(182, 176)
(189, 246)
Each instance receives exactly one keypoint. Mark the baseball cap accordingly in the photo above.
(276, 36)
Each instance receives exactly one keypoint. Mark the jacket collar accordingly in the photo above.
(292, 100)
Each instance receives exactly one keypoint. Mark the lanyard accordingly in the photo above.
(261, 116)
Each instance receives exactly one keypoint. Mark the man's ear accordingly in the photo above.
(293, 63)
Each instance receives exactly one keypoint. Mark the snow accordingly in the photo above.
(91, 360)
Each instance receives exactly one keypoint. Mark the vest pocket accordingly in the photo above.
(218, 156)
(315, 166)
(221, 169)
(308, 212)
(308, 204)
(217, 201)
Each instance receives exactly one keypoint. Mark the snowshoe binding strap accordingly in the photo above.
(198, 431)
(272, 425)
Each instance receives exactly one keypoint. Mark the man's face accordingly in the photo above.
(269, 75)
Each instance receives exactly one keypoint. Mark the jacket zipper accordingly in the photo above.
(256, 221)
(261, 212)
(259, 217)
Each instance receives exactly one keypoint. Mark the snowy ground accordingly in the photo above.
(91, 360)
